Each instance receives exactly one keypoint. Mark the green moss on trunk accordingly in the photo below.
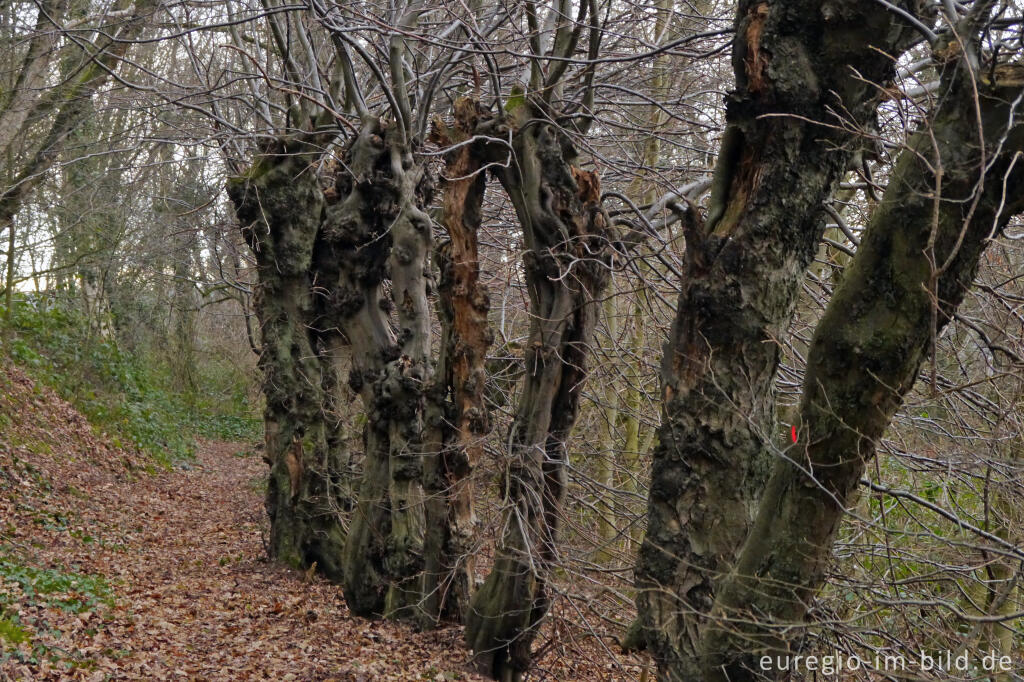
(796, 64)
(279, 206)
(864, 357)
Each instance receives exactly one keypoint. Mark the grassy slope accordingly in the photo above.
(131, 396)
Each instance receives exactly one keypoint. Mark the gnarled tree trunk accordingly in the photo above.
(376, 229)
(566, 266)
(917, 258)
(279, 204)
(459, 419)
(783, 152)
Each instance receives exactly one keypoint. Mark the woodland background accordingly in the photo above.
(635, 338)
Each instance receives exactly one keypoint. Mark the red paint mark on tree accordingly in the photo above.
(792, 432)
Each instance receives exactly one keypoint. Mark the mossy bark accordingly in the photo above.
(918, 257)
(783, 152)
(375, 228)
(279, 205)
(566, 268)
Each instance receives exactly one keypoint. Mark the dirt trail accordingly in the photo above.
(193, 597)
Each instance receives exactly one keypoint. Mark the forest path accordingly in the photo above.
(193, 595)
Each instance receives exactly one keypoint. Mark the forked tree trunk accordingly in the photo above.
(566, 267)
(918, 257)
(783, 152)
(279, 204)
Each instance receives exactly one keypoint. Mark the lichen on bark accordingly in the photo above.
(917, 258)
(783, 152)
(306, 491)
(376, 229)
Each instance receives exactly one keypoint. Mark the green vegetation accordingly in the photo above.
(11, 632)
(51, 588)
(130, 394)
(25, 588)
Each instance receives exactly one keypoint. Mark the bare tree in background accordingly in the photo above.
(58, 65)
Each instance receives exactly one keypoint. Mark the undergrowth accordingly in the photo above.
(128, 394)
(51, 588)
(26, 589)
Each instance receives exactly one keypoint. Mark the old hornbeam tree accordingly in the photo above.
(378, 229)
(281, 203)
(335, 210)
(566, 263)
(952, 191)
(797, 65)
(304, 496)
(459, 418)
(716, 589)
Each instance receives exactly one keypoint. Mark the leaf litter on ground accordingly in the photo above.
(112, 569)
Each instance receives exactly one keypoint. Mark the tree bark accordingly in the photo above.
(949, 195)
(460, 416)
(783, 152)
(566, 266)
(376, 229)
(279, 204)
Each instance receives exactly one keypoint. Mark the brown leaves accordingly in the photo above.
(194, 598)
